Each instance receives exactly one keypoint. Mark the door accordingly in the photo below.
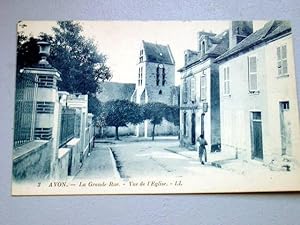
(193, 127)
(202, 123)
(256, 135)
(285, 131)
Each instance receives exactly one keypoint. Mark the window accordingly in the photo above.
(141, 55)
(160, 92)
(185, 93)
(141, 76)
(202, 48)
(160, 71)
(184, 124)
(163, 77)
(193, 89)
(252, 74)
(282, 61)
(226, 79)
(203, 87)
(284, 105)
(140, 80)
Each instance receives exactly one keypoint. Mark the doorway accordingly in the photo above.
(193, 127)
(256, 136)
(285, 132)
(202, 123)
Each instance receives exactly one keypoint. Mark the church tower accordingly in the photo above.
(155, 76)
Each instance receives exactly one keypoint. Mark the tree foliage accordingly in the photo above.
(27, 48)
(172, 114)
(120, 113)
(155, 112)
(78, 60)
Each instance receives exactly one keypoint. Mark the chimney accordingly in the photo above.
(238, 31)
(189, 55)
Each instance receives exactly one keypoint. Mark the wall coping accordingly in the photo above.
(27, 149)
(62, 152)
(73, 142)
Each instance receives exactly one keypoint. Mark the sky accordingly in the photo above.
(120, 41)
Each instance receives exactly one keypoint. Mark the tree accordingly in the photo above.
(120, 113)
(155, 112)
(172, 114)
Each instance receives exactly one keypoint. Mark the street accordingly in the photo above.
(143, 159)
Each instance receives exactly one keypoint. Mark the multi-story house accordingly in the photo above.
(199, 91)
(155, 82)
(258, 98)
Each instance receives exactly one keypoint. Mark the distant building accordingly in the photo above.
(258, 98)
(199, 91)
(110, 91)
(155, 83)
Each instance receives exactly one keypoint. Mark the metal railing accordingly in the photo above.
(25, 109)
(67, 125)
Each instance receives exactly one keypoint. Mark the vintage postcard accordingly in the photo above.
(155, 107)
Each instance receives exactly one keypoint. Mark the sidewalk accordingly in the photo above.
(99, 165)
(212, 157)
(224, 159)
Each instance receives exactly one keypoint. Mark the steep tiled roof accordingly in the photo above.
(219, 45)
(158, 53)
(113, 91)
(270, 31)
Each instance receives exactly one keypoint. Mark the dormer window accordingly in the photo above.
(202, 48)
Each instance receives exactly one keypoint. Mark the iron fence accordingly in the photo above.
(67, 125)
(25, 112)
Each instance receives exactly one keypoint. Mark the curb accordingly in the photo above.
(113, 161)
(189, 157)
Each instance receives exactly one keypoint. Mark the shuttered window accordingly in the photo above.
(203, 87)
(226, 79)
(282, 60)
(193, 89)
(185, 93)
(252, 74)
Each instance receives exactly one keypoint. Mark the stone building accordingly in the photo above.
(258, 98)
(155, 83)
(199, 91)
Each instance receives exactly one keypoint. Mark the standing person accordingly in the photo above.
(202, 149)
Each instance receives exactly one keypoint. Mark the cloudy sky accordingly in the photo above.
(121, 40)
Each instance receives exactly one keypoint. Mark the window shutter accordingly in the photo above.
(225, 78)
(284, 60)
(193, 93)
(252, 74)
(203, 87)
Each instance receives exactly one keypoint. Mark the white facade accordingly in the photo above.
(250, 100)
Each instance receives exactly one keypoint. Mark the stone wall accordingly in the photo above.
(32, 161)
